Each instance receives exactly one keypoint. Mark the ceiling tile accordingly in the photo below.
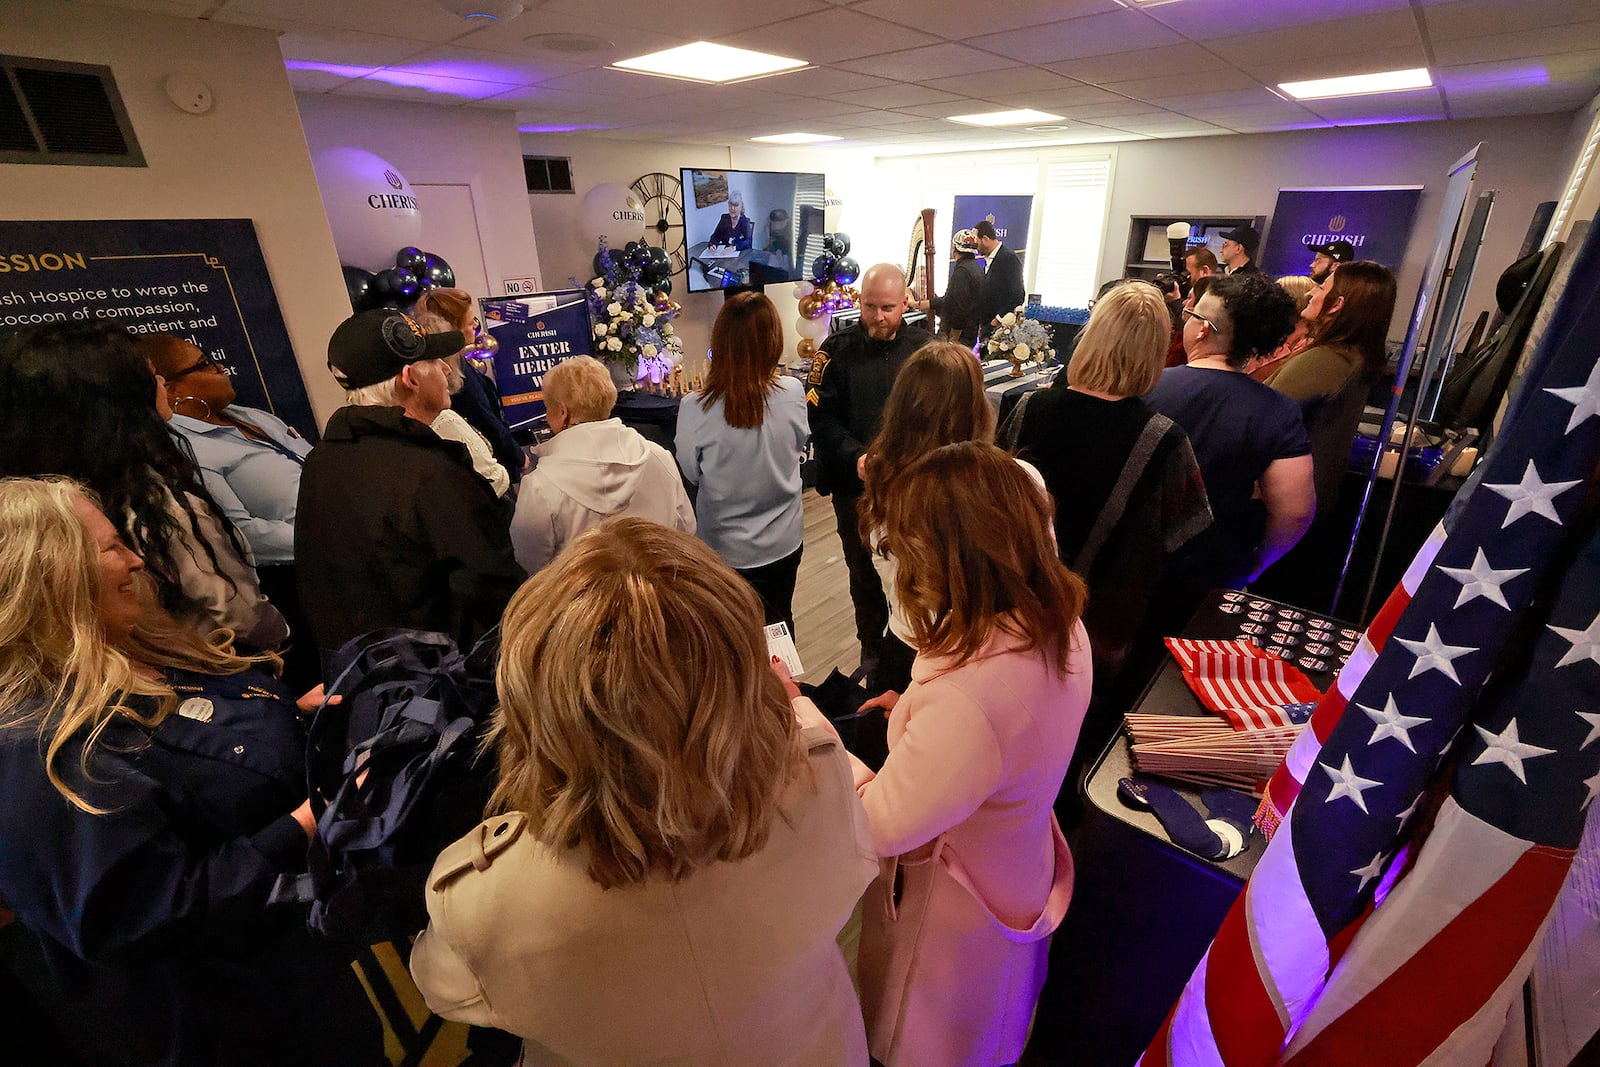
(1273, 68)
(1216, 81)
(1060, 99)
(1205, 21)
(901, 95)
(914, 64)
(419, 20)
(1379, 107)
(1479, 18)
(315, 81)
(827, 36)
(1145, 63)
(1306, 43)
(435, 91)
(991, 84)
(680, 18)
(605, 82)
(622, 40)
(1576, 37)
(831, 81)
(191, 9)
(1092, 35)
(961, 19)
(453, 62)
(347, 47)
(1193, 103)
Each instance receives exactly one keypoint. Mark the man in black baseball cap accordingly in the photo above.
(1328, 257)
(1238, 252)
(394, 527)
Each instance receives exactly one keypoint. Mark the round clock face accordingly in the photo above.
(662, 195)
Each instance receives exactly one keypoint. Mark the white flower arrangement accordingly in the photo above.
(632, 326)
(1020, 339)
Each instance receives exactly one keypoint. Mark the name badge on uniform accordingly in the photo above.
(197, 708)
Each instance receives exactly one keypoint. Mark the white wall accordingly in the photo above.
(475, 147)
(567, 252)
(246, 158)
(1241, 175)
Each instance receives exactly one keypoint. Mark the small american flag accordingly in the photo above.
(1230, 681)
(1269, 715)
(1188, 650)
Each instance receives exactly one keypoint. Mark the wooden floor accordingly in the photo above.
(823, 616)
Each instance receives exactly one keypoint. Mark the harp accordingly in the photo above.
(921, 255)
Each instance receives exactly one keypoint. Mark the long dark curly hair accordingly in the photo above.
(78, 400)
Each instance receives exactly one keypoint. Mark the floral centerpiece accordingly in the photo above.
(633, 330)
(1020, 339)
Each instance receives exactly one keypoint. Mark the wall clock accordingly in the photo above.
(662, 195)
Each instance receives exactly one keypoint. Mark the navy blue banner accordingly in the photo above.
(1010, 215)
(1377, 221)
(534, 334)
(201, 279)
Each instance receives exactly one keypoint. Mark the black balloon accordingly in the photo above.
(846, 270)
(660, 263)
(435, 270)
(822, 268)
(639, 256)
(358, 285)
(827, 242)
(396, 287)
(841, 245)
(410, 259)
(663, 287)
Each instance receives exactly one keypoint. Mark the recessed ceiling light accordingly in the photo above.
(1007, 118)
(1049, 127)
(797, 138)
(1389, 81)
(714, 64)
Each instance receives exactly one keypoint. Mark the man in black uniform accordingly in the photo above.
(849, 383)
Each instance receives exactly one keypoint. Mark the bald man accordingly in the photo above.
(845, 393)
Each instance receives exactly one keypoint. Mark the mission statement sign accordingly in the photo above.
(200, 279)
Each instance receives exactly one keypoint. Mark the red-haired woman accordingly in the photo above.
(740, 440)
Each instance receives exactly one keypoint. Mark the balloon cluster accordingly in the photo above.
(414, 273)
(835, 264)
(649, 265)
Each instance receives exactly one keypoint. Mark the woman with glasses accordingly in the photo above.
(82, 402)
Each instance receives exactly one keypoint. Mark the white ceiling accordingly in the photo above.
(887, 73)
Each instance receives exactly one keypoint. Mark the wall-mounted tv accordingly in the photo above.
(747, 227)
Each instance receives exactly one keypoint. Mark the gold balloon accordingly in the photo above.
(806, 348)
(810, 305)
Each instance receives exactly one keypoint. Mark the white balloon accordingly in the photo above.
(816, 328)
(370, 206)
(803, 290)
(613, 212)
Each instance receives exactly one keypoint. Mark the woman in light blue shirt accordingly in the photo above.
(740, 440)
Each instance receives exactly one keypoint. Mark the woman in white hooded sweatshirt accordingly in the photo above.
(595, 468)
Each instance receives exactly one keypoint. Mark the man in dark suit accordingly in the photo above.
(1003, 289)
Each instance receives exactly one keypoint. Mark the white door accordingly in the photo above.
(450, 229)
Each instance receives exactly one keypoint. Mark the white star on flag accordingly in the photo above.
(1594, 790)
(1593, 720)
(1369, 872)
(1482, 580)
(1505, 748)
(1390, 723)
(1585, 643)
(1532, 495)
(1434, 655)
(1585, 398)
(1347, 783)
(1412, 810)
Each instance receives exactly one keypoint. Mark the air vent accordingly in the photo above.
(548, 174)
(67, 114)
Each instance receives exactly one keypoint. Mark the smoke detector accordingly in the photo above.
(489, 10)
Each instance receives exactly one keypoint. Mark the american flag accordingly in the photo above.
(1263, 716)
(1432, 810)
(1246, 686)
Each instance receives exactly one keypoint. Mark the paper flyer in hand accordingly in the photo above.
(780, 646)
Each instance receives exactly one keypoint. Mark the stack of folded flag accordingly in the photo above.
(1264, 701)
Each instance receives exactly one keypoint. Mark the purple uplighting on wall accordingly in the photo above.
(433, 83)
(559, 129)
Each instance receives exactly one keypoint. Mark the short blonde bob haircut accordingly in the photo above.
(1125, 343)
(640, 722)
(583, 386)
(1298, 286)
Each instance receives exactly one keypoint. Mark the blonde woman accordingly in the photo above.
(152, 789)
(1300, 287)
(675, 853)
(976, 873)
(474, 397)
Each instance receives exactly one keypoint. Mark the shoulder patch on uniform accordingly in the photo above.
(819, 366)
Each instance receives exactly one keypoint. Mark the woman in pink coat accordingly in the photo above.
(975, 873)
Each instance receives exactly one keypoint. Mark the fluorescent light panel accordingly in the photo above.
(714, 64)
(1023, 117)
(796, 138)
(1389, 81)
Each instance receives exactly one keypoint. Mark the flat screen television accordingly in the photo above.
(751, 228)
